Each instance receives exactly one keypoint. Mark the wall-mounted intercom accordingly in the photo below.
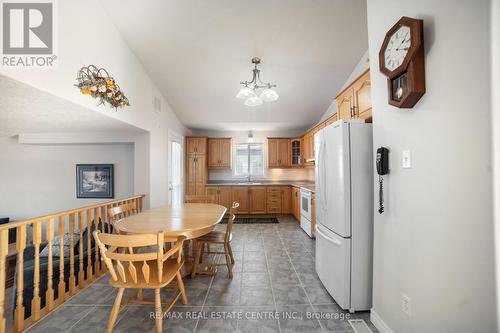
(382, 169)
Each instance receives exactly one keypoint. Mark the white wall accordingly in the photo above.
(435, 241)
(362, 65)
(259, 137)
(495, 94)
(40, 179)
(87, 36)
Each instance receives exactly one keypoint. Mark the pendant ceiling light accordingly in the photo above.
(250, 89)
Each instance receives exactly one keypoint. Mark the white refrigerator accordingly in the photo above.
(344, 212)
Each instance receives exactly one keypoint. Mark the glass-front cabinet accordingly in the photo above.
(296, 160)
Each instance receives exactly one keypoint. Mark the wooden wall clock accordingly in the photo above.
(401, 59)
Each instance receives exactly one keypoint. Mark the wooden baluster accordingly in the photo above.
(49, 294)
(61, 290)
(89, 252)
(140, 204)
(103, 218)
(35, 302)
(81, 274)
(97, 268)
(4, 251)
(21, 245)
(72, 278)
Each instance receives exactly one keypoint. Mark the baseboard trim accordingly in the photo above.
(379, 323)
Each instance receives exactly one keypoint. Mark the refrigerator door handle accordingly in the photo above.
(324, 177)
(328, 238)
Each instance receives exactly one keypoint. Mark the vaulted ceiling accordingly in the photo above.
(197, 52)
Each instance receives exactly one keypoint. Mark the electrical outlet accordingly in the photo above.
(406, 304)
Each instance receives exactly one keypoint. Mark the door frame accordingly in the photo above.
(175, 137)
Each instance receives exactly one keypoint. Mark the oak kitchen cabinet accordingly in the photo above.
(279, 153)
(296, 203)
(196, 145)
(286, 200)
(223, 195)
(196, 165)
(274, 200)
(240, 194)
(307, 145)
(354, 102)
(257, 197)
(219, 153)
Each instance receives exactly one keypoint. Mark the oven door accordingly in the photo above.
(305, 204)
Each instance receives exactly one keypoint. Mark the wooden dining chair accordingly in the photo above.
(117, 213)
(200, 199)
(145, 270)
(217, 237)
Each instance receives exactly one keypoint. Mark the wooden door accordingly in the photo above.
(201, 146)
(240, 195)
(284, 153)
(190, 175)
(213, 153)
(225, 197)
(344, 104)
(272, 153)
(257, 200)
(225, 153)
(362, 97)
(286, 200)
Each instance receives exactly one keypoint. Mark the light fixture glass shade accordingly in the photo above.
(253, 101)
(245, 93)
(269, 95)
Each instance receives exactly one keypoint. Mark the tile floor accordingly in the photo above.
(274, 289)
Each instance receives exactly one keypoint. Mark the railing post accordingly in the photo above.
(4, 250)
(35, 302)
(89, 250)
(21, 245)
(49, 294)
(72, 278)
(61, 289)
(97, 269)
(81, 274)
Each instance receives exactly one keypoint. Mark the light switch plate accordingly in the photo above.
(406, 159)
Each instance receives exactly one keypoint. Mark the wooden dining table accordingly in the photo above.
(188, 219)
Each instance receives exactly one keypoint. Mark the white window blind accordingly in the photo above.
(249, 159)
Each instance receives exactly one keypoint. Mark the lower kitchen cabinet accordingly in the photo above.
(257, 200)
(240, 194)
(286, 200)
(222, 195)
(274, 200)
(296, 203)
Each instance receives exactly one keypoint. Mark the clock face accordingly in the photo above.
(397, 48)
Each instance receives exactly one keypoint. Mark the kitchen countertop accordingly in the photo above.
(307, 185)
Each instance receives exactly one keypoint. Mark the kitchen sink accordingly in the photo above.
(249, 183)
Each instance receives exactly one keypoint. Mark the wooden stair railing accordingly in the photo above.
(44, 230)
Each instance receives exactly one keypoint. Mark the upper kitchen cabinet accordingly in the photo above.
(219, 153)
(278, 153)
(196, 145)
(307, 144)
(296, 160)
(354, 102)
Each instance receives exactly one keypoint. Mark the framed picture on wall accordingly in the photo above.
(94, 181)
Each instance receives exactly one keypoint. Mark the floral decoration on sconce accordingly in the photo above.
(97, 83)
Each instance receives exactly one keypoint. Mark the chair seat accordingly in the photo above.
(214, 237)
(170, 268)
